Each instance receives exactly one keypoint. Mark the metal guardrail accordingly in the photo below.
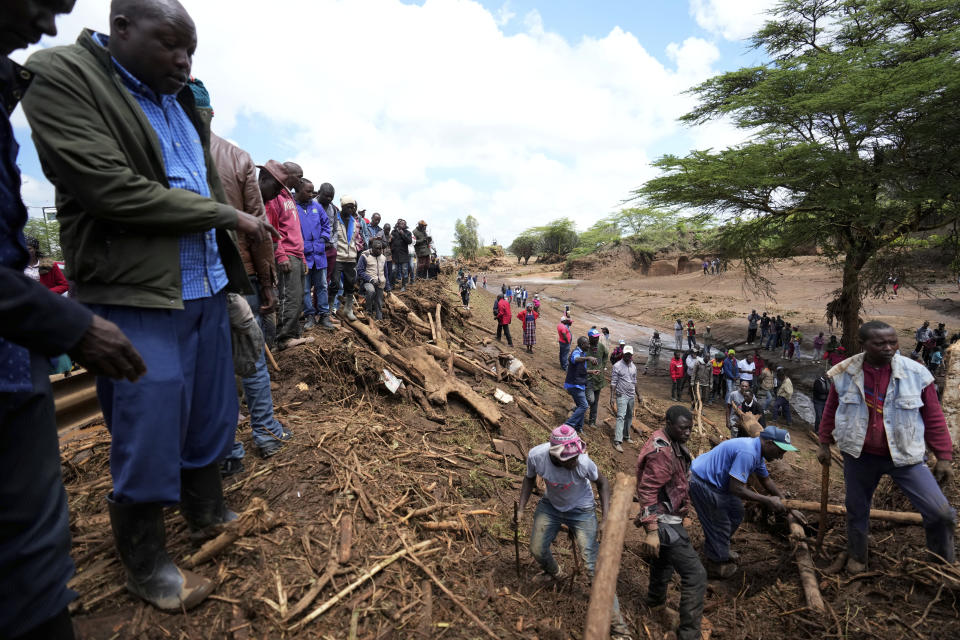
(75, 400)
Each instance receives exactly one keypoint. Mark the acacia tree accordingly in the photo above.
(466, 239)
(853, 140)
(525, 246)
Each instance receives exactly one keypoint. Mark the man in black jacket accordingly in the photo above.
(35, 324)
(400, 239)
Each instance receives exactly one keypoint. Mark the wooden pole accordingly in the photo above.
(902, 517)
(608, 560)
(824, 497)
(270, 359)
(808, 577)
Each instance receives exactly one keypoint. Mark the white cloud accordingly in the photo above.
(36, 192)
(505, 14)
(732, 19)
(379, 97)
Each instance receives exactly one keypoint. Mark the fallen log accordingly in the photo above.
(608, 560)
(527, 409)
(901, 517)
(808, 576)
(460, 362)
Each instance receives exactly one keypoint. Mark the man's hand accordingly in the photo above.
(284, 266)
(268, 300)
(255, 227)
(943, 471)
(105, 351)
(651, 544)
(776, 504)
(823, 454)
(592, 360)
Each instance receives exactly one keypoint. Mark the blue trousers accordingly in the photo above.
(861, 476)
(720, 515)
(183, 412)
(400, 272)
(564, 355)
(583, 523)
(35, 562)
(315, 279)
(576, 418)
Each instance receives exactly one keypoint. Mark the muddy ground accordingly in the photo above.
(341, 495)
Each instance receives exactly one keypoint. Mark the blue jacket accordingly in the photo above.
(730, 368)
(315, 226)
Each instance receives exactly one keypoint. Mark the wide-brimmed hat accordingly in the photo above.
(276, 170)
(565, 443)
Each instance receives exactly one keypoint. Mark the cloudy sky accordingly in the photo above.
(516, 112)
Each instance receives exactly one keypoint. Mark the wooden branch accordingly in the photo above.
(808, 576)
(346, 539)
(901, 517)
(255, 519)
(527, 409)
(412, 558)
(350, 588)
(270, 359)
(608, 561)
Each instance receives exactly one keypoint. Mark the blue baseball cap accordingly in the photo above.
(593, 333)
(780, 437)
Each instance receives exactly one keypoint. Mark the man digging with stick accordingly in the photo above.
(567, 471)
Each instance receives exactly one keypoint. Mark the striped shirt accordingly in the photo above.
(201, 271)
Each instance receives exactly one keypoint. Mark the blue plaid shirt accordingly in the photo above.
(201, 271)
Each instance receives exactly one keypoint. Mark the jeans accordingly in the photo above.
(677, 554)
(576, 418)
(766, 399)
(564, 355)
(259, 398)
(731, 387)
(771, 340)
(692, 343)
(388, 272)
(782, 406)
(316, 279)
(373, 296)
(720, 515)
(818, 406)
(505, 330)
(401, 272)
(678, 338)
(624, 418)
(593, 401)
(861, 476)
(583, 523)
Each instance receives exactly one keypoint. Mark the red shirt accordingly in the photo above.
(676, 369)
(504, 314)
(564, 332)
(875, 382)
(282, 214)
(54, 280)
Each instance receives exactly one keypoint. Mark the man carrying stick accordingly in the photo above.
(663, 493)
(883, 413)
(567, 471)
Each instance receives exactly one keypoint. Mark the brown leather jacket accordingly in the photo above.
(238, 174)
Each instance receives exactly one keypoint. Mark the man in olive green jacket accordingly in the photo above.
(150, 245)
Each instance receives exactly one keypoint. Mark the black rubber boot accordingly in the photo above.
(325, 323)
(201, 501)
(139, 534)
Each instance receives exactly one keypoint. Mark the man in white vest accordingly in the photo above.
(882, 412)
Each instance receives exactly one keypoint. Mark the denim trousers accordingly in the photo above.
(373, 299)
(564, 355)
(677, 554)
(771, 340)
(388, 273)
(593, 402)
(576, 418)
(624, 418)
(861, 476)
(547, 521)
(720, 515)
(315, 280)
(401, 272)
(766, 399)
(782, 406)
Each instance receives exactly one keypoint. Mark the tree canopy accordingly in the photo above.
(852, 140)
(466, 239)
(48, 233)
(525, 246)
